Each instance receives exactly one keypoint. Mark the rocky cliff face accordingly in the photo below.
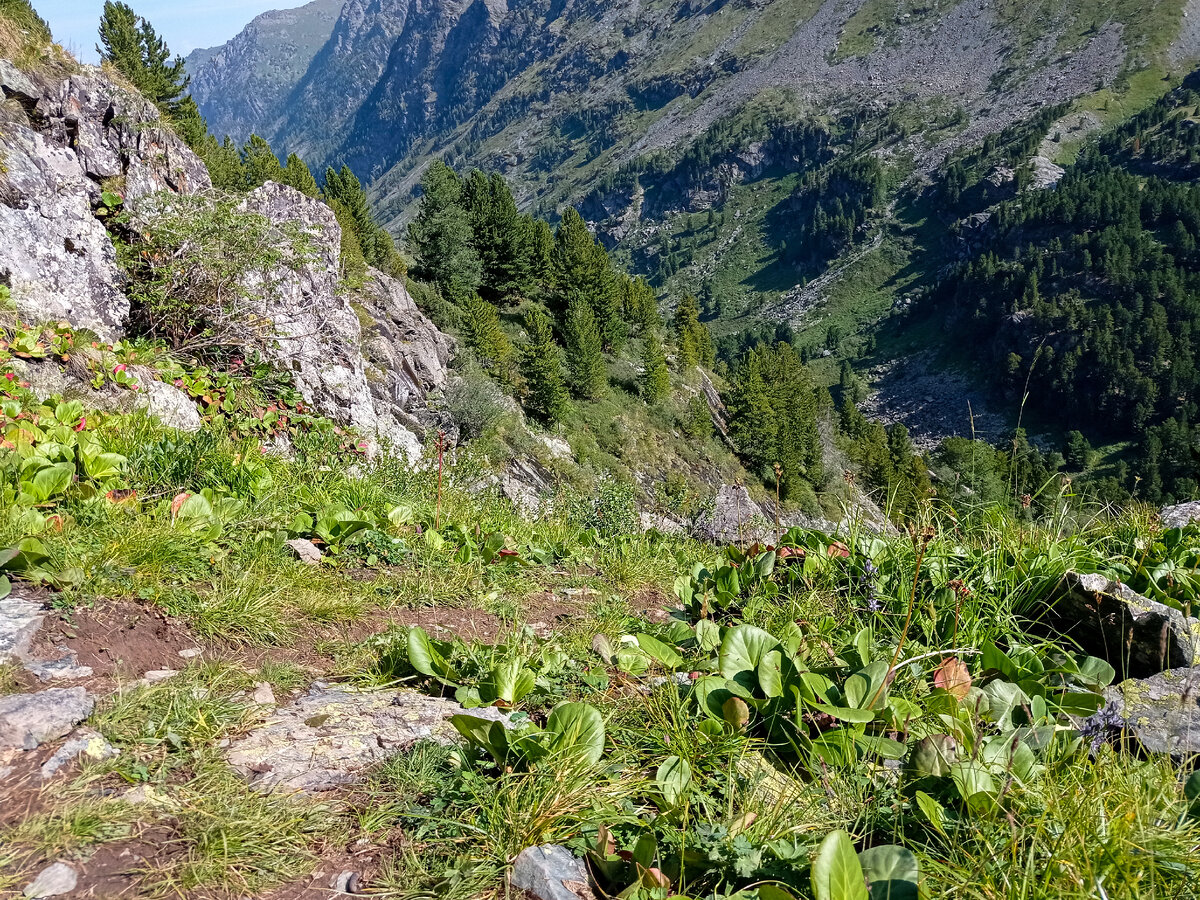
(247, 82)
(65, 139)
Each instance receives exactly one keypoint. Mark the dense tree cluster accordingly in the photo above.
(773, 417)
(828, 208)
(1090, 294)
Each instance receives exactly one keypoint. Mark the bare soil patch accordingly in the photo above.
(116, 638)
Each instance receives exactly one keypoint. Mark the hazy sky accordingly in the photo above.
(186, 24)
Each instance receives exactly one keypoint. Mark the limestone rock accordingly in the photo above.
(116, 133)
(170, 405)
(1162, 710)
(1139, 637)
(20, 619)
(306, 551)
(550, 872)
(29, 720)
(64, 137)
(1181, 515)
(53, 881)
(54, 255)
(333, 735)
(263, 694)
(85, 743)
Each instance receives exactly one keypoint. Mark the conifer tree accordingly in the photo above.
(547, 395)
(296, 174)
(583, 271)
(260, 163)
(224, 163)
(499, 236)
(540, 238)
(481, 325)
(131, 45)
(585, 357)
(695, 342)
(656, 378)
(442, 238)
(354, 264)
(639, 305)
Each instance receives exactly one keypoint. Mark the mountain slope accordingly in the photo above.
(245, 83)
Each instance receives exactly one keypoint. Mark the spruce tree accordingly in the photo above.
(500, 238)
(442, 238)
(583, 271)
(639, 305)
(585, 357)
(260, 163)
(131, 45)
(656, 377)
(481, 325)
(695, 342)
(547, 395)
(224, 164)
(296, 174)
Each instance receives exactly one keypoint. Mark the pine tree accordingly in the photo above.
(639, 305)
(131, 45)
(296, 174)
(224, 164)
(481, 324)
(441, 235)
(695, 342)
(585, 357)
(354, 265)
(583, 271)
(260, 163)
(547, 395)
(500, 238)
(540, 239)
(656, 377)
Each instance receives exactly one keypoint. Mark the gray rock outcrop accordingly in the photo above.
(332, 735)
(66, 138)
(550, 872)
(1139, 637)
(1181, 515)
(736, 517)
(29, 720)
(1163, 711)
(319, 337)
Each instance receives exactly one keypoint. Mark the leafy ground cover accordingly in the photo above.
(830, 717)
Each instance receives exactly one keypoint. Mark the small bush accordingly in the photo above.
(476, 403)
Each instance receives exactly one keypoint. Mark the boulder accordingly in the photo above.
(736, 517)
(20, 619)
(1163, 711)
(54, 255)
(1139, 637)
(1181, 515)
(550, 872)
(29, 720)
(117, 134)
(72, 381)
(306, 551)
(53, 881)
(66, 138)
(333, 735)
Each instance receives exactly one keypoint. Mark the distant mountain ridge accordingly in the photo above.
(245, 83)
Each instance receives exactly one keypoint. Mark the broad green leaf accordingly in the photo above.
(427, 656)
(1096, 673)
(972, 777)
(891, 871)
(660, 652)
(867, 685)
(576, 729)
(674, 777)
(50, 481)
(770, 673)
(932, 810)
(742, 649)
(836, 871)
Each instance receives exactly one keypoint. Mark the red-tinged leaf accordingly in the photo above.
(177, 503)
(952, 676)
(837, 548)
(121, 495)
